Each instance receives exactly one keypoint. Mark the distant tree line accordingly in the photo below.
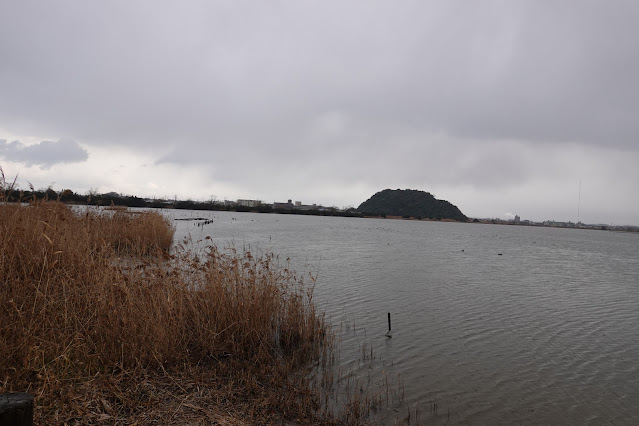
(69, 196)
(115, 199)
(403, 203)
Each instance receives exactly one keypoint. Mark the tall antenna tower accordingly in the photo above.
(579, 204)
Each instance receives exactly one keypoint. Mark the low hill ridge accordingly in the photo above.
(410, 203)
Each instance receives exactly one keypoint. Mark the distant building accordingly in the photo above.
(296, 206)
(249, 203)
(517, 219)
(306, 206)
(281, 205)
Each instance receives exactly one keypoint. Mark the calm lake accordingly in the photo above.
(495, 324)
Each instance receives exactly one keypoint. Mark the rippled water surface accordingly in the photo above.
(497, 324)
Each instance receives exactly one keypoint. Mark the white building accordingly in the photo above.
(249, 203)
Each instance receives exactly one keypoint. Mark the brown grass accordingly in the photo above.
(101, 323)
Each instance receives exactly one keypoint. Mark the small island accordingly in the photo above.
(410, 203)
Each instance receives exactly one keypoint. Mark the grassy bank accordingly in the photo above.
(100, 321)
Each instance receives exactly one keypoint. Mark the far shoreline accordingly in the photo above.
(112, 199)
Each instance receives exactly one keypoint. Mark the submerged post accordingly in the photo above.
(389, 326)
(16, 409)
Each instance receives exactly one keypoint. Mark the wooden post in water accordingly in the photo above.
(16, 409)
(389, 327)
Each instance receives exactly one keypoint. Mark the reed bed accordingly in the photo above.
(103, 321)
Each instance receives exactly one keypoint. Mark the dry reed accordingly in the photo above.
(105, 320)
(101, 323)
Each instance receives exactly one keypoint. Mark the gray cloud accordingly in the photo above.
(44, 154)
(521, 70)
(320, 96)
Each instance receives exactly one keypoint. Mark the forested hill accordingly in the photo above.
(410, 203)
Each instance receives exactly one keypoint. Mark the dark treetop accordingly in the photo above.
(410, 203)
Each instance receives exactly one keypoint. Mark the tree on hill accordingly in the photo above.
(410, 203)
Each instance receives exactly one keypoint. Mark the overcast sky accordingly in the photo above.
(500, 107)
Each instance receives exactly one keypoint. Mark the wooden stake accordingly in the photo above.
(389, 327)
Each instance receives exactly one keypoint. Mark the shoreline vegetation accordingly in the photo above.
(101, 323)
(104, 319)
(414, 200)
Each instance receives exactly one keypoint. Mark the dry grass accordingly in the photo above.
(101, 323)
(104, 320)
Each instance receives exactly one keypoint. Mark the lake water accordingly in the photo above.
(496, 324)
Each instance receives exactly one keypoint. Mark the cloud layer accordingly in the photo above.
(332, 101)
(44, 154)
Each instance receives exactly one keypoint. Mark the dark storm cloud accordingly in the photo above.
(44, 154)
